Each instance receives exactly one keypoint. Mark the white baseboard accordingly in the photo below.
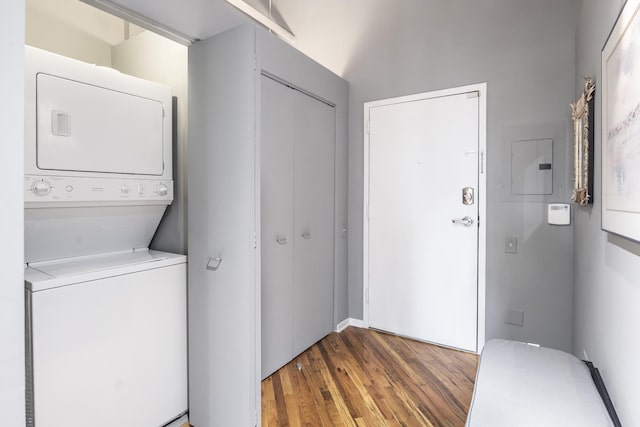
(180, 422)
(356, 323)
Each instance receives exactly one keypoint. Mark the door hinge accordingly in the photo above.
(481, 161)
(255, 241)
(474, 94)
(255, 62)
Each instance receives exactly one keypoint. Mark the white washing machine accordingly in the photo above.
(106, 317)
(106, 340)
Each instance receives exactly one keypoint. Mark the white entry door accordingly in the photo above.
(422, 234)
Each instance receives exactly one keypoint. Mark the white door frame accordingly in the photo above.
(481, 88)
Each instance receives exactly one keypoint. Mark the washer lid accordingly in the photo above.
(51, 274)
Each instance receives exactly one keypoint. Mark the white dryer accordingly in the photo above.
(107, 341)
(97, 158)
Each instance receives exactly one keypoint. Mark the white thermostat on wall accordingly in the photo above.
(559, 214)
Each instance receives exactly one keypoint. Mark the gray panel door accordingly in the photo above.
(314, 130)
(297, 208)
(276, 201)
(224, 383)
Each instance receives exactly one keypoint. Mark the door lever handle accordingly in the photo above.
(466, 221)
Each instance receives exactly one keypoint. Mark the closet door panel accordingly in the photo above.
(224, 386)
(277, 224)
(314, 130)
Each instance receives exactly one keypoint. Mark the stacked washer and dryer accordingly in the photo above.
(106, 316)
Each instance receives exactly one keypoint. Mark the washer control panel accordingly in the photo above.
(78, 189)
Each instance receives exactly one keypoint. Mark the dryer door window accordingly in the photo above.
(87, 128)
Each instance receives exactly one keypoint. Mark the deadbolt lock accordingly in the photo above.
(467, 196)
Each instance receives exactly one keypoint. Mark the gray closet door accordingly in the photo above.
(224, 386)
(314, 132)
(297, 215)
(277, 225)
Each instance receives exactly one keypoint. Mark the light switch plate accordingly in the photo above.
(511, 245)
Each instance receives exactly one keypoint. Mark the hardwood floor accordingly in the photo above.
(363, 377)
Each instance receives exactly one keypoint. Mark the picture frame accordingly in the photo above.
(620, 125)
(582, 114)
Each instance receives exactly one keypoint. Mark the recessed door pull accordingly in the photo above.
(281, 240)
(306, 236)
(214, 263)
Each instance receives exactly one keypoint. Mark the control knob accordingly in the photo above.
(41, 188)
(162, 190)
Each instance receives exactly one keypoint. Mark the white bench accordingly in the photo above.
(520, 384)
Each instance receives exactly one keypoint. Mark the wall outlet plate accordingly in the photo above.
(514, 317)
(511, 245)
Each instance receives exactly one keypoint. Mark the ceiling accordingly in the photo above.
(197, 19)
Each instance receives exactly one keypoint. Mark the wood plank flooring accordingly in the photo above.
(362, 377)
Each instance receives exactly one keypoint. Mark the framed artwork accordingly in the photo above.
(582, 114)
(620, 125)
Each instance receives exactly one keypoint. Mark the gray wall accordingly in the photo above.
(11, 214)
(525, 52)
(607, 267)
